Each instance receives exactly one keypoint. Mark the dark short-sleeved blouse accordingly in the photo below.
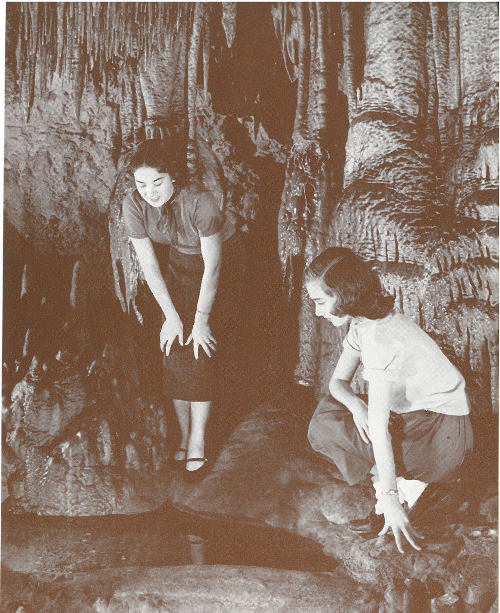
(190, 213)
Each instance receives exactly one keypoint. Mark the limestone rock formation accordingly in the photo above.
(287, 487)
(370, 125)
(222, 589)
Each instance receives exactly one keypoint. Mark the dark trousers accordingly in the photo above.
(427, 446)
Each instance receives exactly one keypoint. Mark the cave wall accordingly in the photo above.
(420, 182)
(86, 430)
(371, 125)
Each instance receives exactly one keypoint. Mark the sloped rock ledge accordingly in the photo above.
(193, 589)
(265, 474)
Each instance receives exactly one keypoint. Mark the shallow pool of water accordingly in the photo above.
(63, 545)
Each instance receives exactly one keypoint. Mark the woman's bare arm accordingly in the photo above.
(151, 269)
(340, 388)
(378, 421)
(201, 334)
(211, 252)
(172, 328)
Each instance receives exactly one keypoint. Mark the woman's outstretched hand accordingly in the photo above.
(396, 519)
(172, 328)
(202, 336)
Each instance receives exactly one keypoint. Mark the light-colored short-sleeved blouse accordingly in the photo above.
(394, 348)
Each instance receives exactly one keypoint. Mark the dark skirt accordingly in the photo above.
(186, 378)
(427, 446)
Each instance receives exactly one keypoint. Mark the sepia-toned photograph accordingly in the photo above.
(250, 307)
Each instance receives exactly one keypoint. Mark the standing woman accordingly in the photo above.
(415, 428)
(199, 294)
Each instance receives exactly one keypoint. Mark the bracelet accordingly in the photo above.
(389, 493)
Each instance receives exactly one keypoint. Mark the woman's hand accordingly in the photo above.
(360, 415)
(172, 328)
(202, 336)
(396, 519)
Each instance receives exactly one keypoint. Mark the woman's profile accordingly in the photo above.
(414, 429)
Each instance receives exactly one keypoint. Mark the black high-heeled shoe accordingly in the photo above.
(193, 476)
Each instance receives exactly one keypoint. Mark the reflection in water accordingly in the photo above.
(65, 545)
(196, 549)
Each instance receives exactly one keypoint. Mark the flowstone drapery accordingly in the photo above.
(420, 180)
(419, 187)
(368, 125)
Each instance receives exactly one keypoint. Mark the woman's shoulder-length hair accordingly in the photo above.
(163, 155)
(352, 281)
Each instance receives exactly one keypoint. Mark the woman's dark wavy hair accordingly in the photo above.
(164, 156)
(345, 275)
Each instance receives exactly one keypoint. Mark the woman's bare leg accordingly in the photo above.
(182, 409)
(198, 423)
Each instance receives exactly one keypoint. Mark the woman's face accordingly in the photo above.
(155, 187)
(325, 304)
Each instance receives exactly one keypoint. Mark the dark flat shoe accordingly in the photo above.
(369, 527)
(177, 463)
(193, 476)
(436, 503)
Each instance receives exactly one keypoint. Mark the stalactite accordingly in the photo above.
(440, 47)
(193, 57)
(229, 12)
(62, 18)
(140, 110)
(77, 287)
(77, 76)
(114, 131)
(313, 61)
(20, 45)
(454, 55)
(128, 105)
(286, 37)
(206, 57)
(30, 19)
(302, 73)
(349, 55)
(42, 25)
(321, 107)
(77, 40)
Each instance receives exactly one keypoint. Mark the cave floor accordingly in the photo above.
(262, 478)
(265, 473)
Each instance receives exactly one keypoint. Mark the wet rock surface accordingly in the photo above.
(193, 589)
(265, 477)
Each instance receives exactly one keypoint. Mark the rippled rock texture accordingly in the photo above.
(195, 589)
(267, 477)
(371, 125)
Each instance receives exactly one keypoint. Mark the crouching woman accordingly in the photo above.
(414, 428)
